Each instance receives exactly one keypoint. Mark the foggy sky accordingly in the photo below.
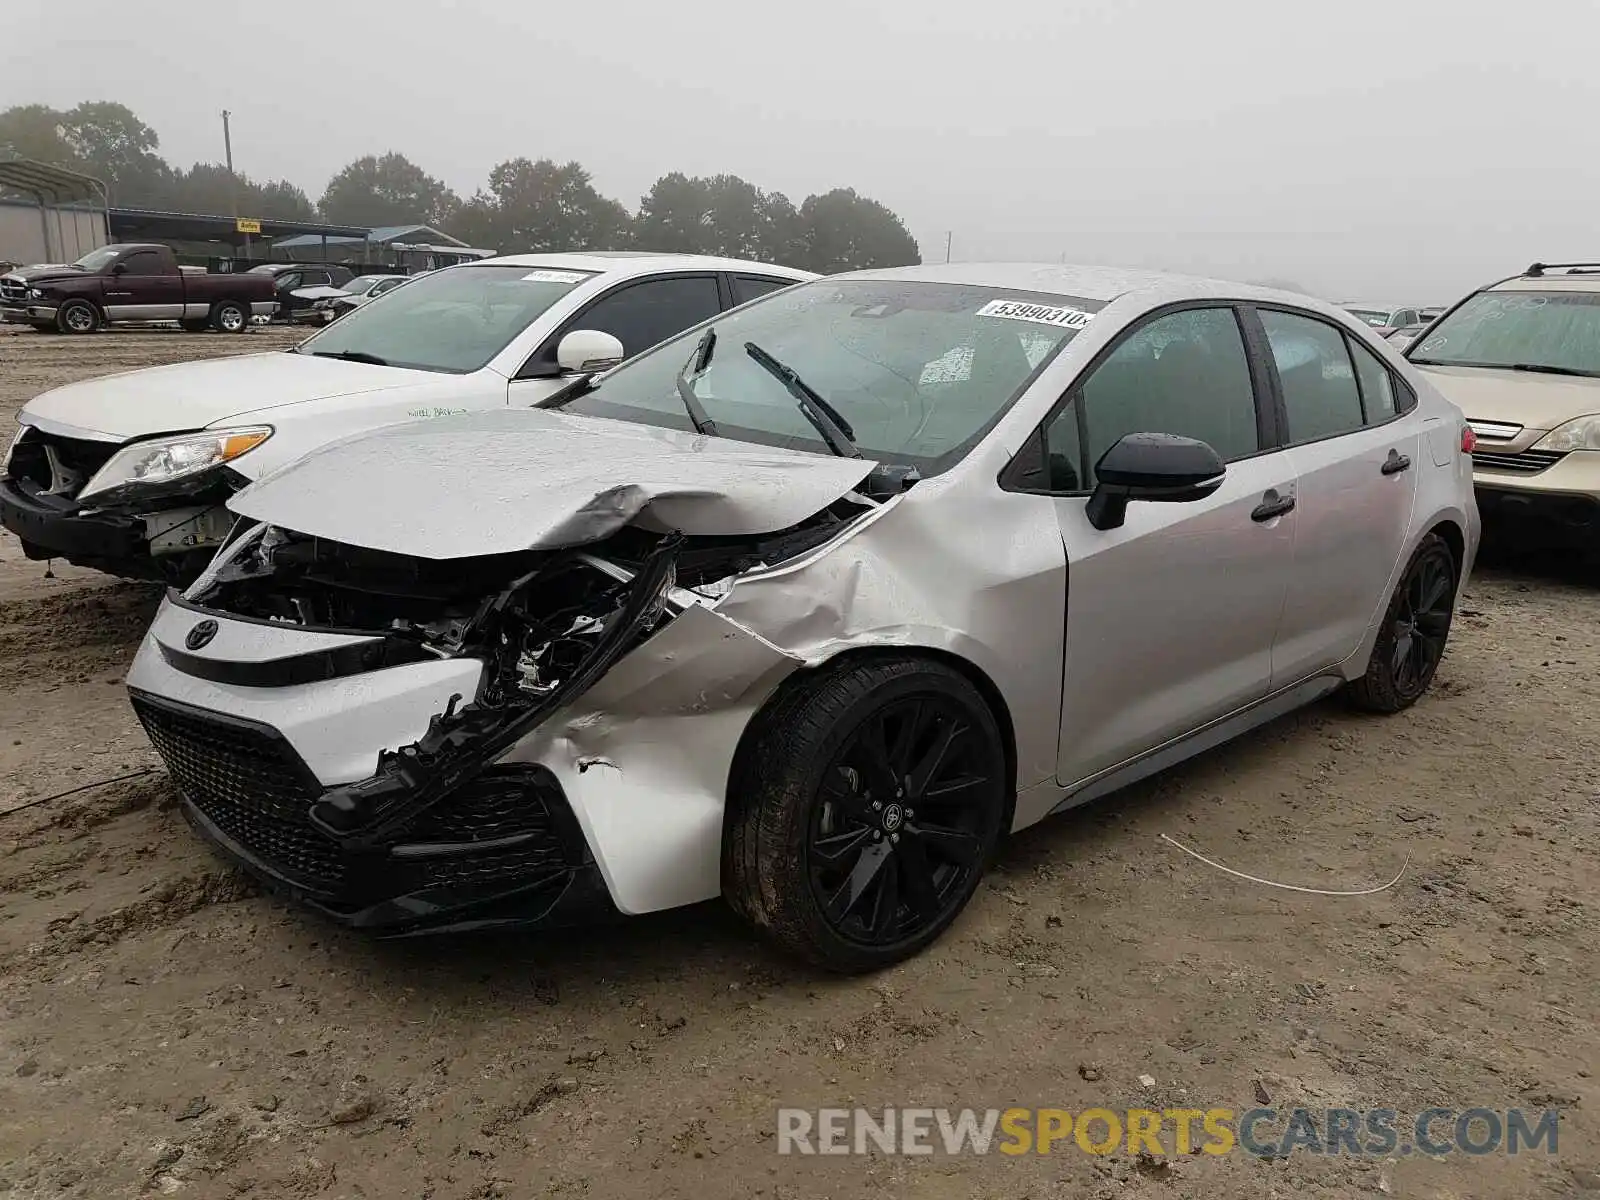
(1389, 150)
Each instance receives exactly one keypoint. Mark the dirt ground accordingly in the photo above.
(165, 1029)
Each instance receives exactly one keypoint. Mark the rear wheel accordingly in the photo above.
(199, 326)
(40, 328)
(228, 316)
(1415, 628)
(867, 809)
(77, 316)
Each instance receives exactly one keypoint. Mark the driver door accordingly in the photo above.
(1171, 617)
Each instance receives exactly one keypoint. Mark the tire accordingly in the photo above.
(199, 326)
(1416, 627)
(229, 316)
(77, 316)
(44, 328)
(821, 856)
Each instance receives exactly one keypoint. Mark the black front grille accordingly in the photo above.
(247, 782)
(506, 828)
(1528, 462)
(13, 291)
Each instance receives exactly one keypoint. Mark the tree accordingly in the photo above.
(34, 131)
(533, 206)
(116, 147)
(722, 214)
(387, 190)
(207, 188)
(842, 231)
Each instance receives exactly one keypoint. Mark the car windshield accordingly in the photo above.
(1554, 331)
(96, 259)
(919, 371)
(361, 285)
(1377, 318)
(452, 321)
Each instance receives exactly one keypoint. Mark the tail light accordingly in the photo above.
(1469, 439)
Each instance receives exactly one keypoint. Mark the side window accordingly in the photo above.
(383, 286)
(1377, 385)
(1319, 385)
(1063, 453)
(289, 280)
(748, 287)
(1185, 373)
(642, 314)
(143, 262)
(315, 279)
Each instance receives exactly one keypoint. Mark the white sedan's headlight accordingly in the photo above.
(1583, 433)
(166, 460)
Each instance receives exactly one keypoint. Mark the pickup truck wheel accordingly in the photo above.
(194, 326)
(44, 328)
(228, 316)
(77, 316)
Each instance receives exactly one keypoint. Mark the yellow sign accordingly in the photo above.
(246, 225)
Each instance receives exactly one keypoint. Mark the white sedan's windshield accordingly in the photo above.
(919, 371)
(454, 320)
(360, 285)
(1552, 331)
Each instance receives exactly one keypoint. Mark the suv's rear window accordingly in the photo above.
(1554, 331)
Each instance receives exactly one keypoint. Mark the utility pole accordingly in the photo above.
(947, 237)
(233, 180)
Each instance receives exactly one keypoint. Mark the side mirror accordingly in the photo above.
(120, 269)
(1152, 466)
(588, 350)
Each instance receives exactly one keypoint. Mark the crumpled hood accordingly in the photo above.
(1524, 398)
(518, 479)
(193, 395)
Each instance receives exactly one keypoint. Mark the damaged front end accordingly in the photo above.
(408, 743)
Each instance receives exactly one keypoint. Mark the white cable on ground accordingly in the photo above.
(1289, 887)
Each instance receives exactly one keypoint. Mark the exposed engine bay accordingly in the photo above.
(546, 624)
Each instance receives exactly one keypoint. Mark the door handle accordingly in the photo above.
(1272, 505)
(1395, 463)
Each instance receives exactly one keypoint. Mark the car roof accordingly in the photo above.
(639, 262)
(1093, 282)
(1548, 283)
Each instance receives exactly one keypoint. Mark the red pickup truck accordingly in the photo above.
(132, 282)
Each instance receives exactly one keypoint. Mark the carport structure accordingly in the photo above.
(53, 189)
(245, 239)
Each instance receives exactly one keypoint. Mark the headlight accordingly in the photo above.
(1582, 433)
(165, 460)
(35, 294)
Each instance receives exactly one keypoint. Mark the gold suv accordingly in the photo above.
(1521, 358)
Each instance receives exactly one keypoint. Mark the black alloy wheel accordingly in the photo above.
(876, 794)
(1415, 630)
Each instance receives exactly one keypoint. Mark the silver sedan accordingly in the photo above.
(808, 606)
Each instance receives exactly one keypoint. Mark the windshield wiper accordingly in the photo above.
(698, 361)
(360, 356)
(1544, 369)
(835, 430)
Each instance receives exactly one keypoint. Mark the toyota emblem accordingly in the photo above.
(200, 636)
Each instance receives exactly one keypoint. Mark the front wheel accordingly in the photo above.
(866, 811)
(229, 316)
(77, 316)
(1415, 628)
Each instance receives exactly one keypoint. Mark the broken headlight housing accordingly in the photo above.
(171, 459)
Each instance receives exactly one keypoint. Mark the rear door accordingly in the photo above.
(1170, 618)
(1355, 449)
(748, 287)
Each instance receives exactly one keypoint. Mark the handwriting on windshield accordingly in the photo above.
(436, 412)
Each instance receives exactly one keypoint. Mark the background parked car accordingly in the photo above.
(1385, 319)
(293, 280)
(128, 473)
(131, 282)
(356, 293)
(1522, 358)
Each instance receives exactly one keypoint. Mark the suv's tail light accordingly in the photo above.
(1469, 439)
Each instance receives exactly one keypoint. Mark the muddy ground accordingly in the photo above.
(165, 1029)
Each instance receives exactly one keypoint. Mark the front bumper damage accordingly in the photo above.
(399, 790)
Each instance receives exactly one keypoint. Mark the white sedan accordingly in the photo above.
(129, 473)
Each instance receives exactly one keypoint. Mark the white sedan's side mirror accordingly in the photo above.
(588, 350)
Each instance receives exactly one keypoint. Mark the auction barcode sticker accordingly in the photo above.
(554, 276)
(1039, 314)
